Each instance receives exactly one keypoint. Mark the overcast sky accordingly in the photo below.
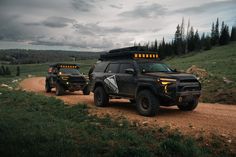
(97, 25)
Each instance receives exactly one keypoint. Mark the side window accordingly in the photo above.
(125, 66)
(112, 68)
(100, 67)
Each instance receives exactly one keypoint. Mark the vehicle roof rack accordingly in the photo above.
(135, 52)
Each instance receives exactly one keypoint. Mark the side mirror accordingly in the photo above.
(130, 71)
(174, 70)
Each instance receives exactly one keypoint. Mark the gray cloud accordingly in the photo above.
(116, 6)
(12, 30)
(53, 21)
(95, 29)
(211, 6)
(82, 5)
(57, 21)
(147, 11)
(81, 42)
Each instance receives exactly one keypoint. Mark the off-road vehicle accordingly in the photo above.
(139, 75)
(66, 77)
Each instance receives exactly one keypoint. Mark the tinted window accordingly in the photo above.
(125, 66)
(100, 67)
(147, 67)
(112, 68)
(69, 71)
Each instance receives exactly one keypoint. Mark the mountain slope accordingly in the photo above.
(220, 63)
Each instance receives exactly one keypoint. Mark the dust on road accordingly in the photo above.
(206, 118)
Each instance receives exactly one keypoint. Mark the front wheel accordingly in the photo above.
(86, 90)
(47, 87)
(59, 89)
(101, 98)
(189, 105)
(147, 103)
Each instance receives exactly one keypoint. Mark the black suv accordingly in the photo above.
(66, 77)
(138, 75)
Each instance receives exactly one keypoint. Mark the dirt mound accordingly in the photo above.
(199, 72)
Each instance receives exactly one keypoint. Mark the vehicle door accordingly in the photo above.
(110, 77)
(126, 80)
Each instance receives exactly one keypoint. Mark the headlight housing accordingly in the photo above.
(166, 81)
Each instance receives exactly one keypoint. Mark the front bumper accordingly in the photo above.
(181, 92)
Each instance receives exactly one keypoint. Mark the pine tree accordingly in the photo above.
(197, 41)
(203, 40)
(207, 43)
(161, 49)
(178, 41)
(217, 34)
(155, 45)
(224, 34)
(233, 34)
(191, 40)
(213, 42)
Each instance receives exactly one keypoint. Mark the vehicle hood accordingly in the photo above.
(173, 75)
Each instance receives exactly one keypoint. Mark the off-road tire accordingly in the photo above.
(101, 98)
(48, 89)
(188, 106)
(147, 104)
(59, 89)
(132, 101)
(86, 90)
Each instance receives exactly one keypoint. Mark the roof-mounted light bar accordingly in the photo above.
(69, 66)
(145, 55)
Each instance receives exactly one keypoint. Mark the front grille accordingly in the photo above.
(77, 80)
(189, 86)
(188, 80)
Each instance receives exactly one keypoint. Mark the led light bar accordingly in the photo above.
(145, 55)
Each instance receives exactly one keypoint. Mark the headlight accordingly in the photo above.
(166, 81)
(64, 78)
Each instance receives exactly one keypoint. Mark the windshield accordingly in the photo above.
(149, 67)
(69, 71)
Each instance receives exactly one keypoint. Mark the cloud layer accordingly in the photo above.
(102, 25)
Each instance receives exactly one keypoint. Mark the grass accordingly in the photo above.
(35, 125)
(219, 62)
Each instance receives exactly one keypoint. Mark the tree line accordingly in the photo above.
(189, 40)
(23, 56)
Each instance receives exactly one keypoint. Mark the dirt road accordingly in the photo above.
(207, 118)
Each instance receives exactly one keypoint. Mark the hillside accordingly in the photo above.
(220, 63)
(22, 56)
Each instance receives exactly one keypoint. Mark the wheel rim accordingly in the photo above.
(145, 103)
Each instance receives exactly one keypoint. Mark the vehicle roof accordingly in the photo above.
(125, 53)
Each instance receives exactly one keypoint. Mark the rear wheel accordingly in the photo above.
(59, 89)
(47, 87)
(147, 103)
(86, 90)
(101, 98)
(189, 105)
(132, 101)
